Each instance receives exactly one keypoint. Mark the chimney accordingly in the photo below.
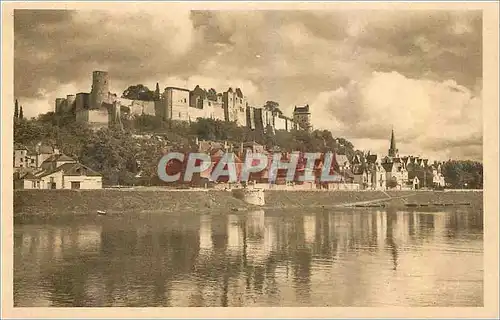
(56, 150)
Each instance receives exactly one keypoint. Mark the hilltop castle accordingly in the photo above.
(101, 108)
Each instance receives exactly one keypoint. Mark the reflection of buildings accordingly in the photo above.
(402, 227)
(237, 260)
(235, 235)
(440, 224)
(310, 229)
(271, 239)
(205, 234)
(256, 249)
(381, 217)
(55, 242)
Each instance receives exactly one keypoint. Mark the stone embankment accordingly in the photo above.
(48, 204)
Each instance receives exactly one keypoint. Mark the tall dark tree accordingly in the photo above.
(21, 115)
(16, 110)
(273, 107)
(157, 92)
(138, 92)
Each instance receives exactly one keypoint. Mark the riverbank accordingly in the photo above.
(53, 204)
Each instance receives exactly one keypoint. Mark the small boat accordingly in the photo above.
(100, 212)
(411, 204)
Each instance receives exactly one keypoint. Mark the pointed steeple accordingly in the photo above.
(157, 91)
(392, 149)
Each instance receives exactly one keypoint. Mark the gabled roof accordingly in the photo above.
(239, 93)
(198, 91)
(79, 169)
(59, 157)
(72, 169)
(371, 158)
(30, 176)
(387, 166)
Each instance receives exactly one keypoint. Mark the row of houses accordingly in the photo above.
(44, 167)
(362, 172)
(395, 171)
(101, 108)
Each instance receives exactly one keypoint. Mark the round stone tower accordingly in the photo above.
(59, 102)
(70, 99)
(100, 89)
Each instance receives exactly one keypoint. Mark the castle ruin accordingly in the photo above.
(101, 108)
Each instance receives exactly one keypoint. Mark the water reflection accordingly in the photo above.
(353, 258)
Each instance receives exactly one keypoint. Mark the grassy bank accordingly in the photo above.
(56, 203)
(48, 204)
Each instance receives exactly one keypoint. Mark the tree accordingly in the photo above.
(273, 107)
(21, 115)
(157, 92)
(463, 174)
(16, 110)
(139, 92)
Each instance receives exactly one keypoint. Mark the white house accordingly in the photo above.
(60, 172)
(437, 176)
(71, 176)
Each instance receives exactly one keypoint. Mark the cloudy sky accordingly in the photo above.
(362, 72)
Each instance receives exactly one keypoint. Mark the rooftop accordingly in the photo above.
(177, 88)
(304, 109)
(72, 169)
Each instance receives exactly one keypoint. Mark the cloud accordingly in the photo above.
(428, 116)
(352, 65)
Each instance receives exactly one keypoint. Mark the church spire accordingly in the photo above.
(392, 149)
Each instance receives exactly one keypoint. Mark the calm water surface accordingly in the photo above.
(349, 258)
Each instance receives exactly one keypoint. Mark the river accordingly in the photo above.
(364, 258)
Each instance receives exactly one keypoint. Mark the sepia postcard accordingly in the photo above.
(218, 159)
